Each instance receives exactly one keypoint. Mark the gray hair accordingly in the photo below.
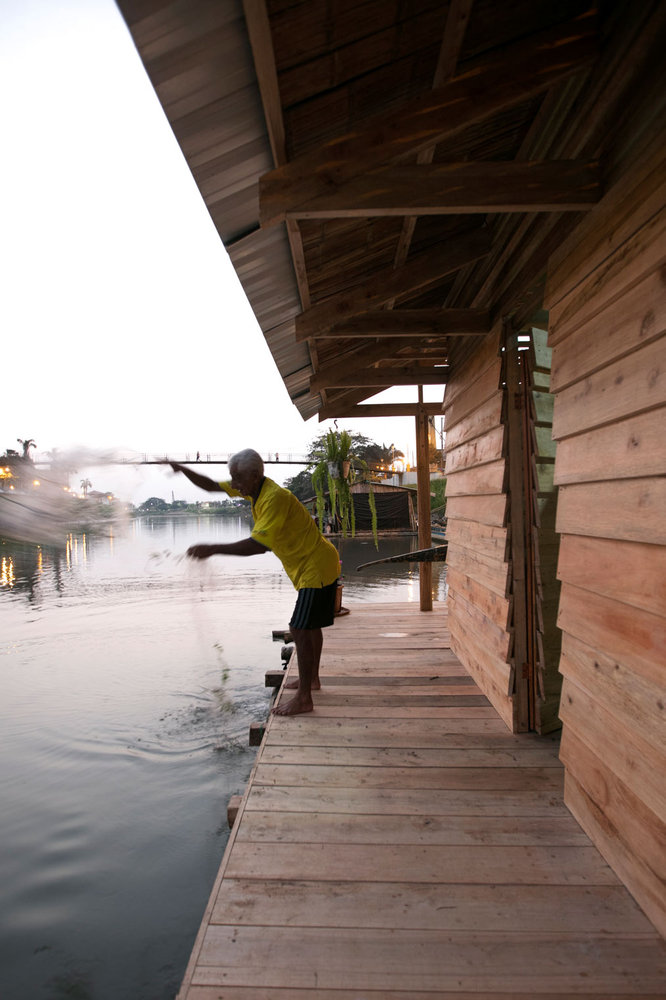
(247, 460)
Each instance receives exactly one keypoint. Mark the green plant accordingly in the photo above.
(373, 514)
(334, 471)
(438, 494)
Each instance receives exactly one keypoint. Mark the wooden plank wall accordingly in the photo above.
(478, 560)
(606, 294)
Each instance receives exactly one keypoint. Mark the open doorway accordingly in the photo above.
(534, 540)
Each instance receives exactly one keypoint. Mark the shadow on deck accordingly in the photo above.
(401, 843)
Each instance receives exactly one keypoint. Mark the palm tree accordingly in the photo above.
(85, 486)
(27, 444)
(392, 453)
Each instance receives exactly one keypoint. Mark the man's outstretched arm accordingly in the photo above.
(203, 482)
(244, 547)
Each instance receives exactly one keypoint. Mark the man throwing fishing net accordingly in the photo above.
(282, 525)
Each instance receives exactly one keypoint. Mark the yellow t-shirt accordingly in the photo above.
(284, 526)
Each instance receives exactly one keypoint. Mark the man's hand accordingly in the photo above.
(201, 551)
(243, 547)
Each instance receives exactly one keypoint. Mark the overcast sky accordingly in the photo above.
(123, 325)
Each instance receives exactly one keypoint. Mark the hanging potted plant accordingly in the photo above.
(334, 473)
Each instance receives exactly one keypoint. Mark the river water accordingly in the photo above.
(129, 678)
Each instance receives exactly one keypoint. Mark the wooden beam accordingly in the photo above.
(385, 410)
(454, 32)
(423, 270)
(444, 189)
(555, 108)
(261, 43)
(504, 78)
(367, 355)
(457, 19)
(417, 323)
(342, 399)
(381, 377)
(418, 355)
(557, 131)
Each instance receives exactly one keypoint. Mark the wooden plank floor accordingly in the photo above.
(400, 844)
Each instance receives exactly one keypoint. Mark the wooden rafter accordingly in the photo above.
(259, 33)
(454, 33)
(432, 357)
(372, 354)
(443, 189)
(383, 410)
(341, 401)
(381, 378)
(559, 132)
(538, 143)
(472, 96)
(345, 406)
(420, 272)
(457, 19)
(414, 323)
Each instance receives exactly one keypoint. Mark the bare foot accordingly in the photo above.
(293, 685)
(295, 706)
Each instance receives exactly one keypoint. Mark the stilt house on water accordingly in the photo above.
(396, 510)
(472, 194)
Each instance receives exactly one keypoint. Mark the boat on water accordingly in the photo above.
(436, 553)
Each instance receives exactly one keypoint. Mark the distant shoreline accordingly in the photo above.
(192, 513)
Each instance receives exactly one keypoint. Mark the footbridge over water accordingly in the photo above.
(200, 458)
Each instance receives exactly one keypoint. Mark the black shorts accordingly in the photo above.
(315, 607)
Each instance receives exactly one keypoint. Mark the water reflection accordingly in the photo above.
(7, 575)
(130, 676)
(393, 581)
(153, 544)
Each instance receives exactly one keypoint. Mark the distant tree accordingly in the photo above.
(26, 444)
(435, 455)
(85, 486)
(154, 504)
(359, 446)
(301, 485)
(381, 455)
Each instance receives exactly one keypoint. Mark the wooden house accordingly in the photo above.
(396, 510)
(472, 194)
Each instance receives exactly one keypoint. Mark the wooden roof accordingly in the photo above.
(390, 176)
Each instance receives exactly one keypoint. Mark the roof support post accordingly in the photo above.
(423, 503)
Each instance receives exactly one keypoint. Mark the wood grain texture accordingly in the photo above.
(632, 385)
(411, 852)
(630, 510)
(620, 851)
(638, 446)
(440, 189)
(631, 572)
(617, 330)
(547, 58)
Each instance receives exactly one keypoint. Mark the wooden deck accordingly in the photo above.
(399, 843)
